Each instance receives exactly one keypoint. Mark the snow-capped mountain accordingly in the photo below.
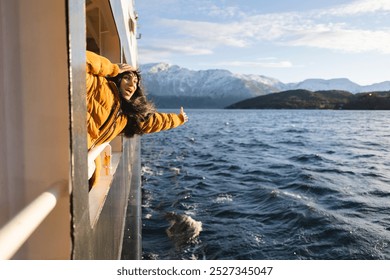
(171, 80)
(217, 88)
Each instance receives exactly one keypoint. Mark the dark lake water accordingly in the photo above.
(269, 184)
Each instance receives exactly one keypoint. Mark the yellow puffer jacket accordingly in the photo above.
(103, 105)
(104, 118)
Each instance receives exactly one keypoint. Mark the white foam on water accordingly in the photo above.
(223, 198)
(183, 229)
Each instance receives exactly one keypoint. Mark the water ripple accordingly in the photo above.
(270, 184)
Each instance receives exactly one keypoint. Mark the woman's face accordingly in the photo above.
(128, 85)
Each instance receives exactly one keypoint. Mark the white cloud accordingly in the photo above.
(166, 50)
(360, 7)
(318, 29)
(186, 49)
(225, 12)
(258, 64)
(209, 33)
(346, 40)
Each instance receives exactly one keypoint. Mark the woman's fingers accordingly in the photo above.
(185, 117)
(123, 67)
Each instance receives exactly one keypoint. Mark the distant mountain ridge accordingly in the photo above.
(339, 84)
(171, 86)
(305, 99)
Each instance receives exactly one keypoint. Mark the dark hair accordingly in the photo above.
(137, 109)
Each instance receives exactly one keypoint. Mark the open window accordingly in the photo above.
(102, 38)
(99, 217)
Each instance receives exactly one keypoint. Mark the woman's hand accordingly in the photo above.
(123, 67)
(183, 115)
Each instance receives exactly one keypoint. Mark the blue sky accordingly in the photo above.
(290, 40)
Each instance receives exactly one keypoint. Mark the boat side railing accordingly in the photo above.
(16, 232)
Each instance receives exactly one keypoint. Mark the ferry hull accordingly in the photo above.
(43, 131)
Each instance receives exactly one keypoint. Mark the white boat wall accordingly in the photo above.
(46, 208)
